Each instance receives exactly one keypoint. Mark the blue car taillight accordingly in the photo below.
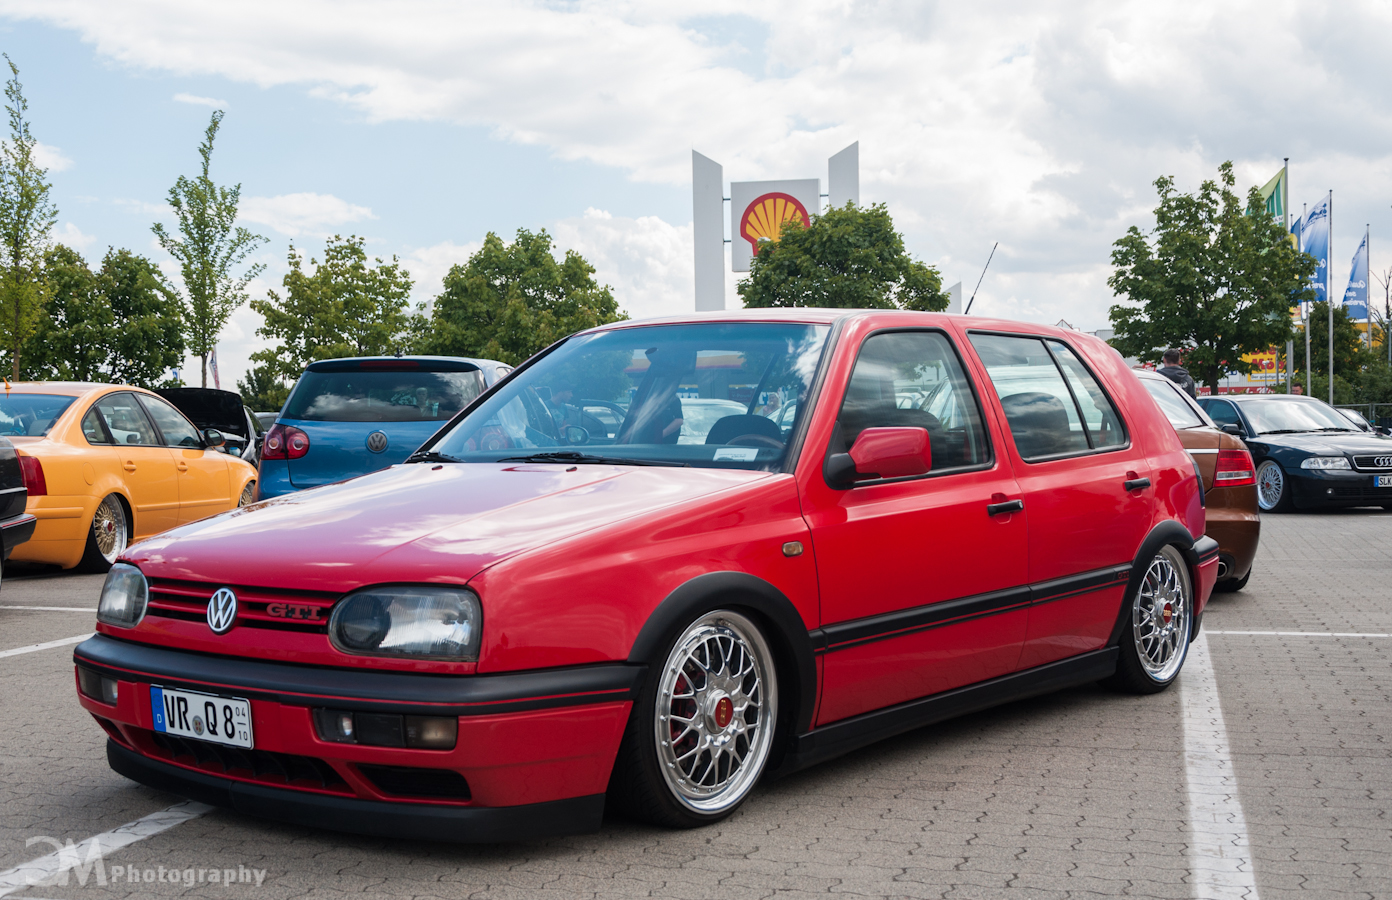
(284, 442)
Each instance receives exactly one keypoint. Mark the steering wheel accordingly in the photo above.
(756, 440)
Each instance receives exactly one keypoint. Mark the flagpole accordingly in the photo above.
(1367, 291)
(1306, 308)
(1285, 222)
(1328, 293)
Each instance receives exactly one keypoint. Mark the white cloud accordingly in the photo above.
(73, 237)
(646, 261)
(1039, 126)
(315, 215)
(51, 158)
(200, 101)
(429, 265)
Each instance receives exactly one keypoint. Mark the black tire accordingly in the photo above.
(248, 494)
(107, 537)
(1273, 488)
(1233, 585)
(697, 776)
(1160, 620)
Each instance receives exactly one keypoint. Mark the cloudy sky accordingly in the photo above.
(424, 124)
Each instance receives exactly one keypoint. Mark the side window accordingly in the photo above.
(1103, 424)
(1166, 394)
(1220, 411)
(177, 431)
(94, 429)
(1037, 402)
(915, 379)
(126, 420)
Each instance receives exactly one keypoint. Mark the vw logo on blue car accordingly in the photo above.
(222, 611)
(377, 441)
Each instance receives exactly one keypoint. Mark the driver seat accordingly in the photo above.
(731, 427)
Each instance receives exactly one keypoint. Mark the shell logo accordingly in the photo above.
(763, 219)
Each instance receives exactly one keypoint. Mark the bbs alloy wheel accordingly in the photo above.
(1160, 622)
(715, 713)
(108, 537)
(1273, 495)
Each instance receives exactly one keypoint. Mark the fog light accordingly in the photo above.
(98, 687)
(432, 732)
(334, 725)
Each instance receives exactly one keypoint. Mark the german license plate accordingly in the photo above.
(203, 717)
(1382, 481)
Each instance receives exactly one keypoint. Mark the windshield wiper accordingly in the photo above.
(1286, 431)
(430, 456)
(1335, 428)
(570, 456)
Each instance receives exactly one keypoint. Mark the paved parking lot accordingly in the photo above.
(1267, 773)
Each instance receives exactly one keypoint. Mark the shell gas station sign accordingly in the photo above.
(760, 209)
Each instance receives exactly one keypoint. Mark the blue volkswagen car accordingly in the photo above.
(348, 417)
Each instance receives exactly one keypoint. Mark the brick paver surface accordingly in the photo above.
(1078, 794)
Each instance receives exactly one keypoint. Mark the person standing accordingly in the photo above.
(1177, 373)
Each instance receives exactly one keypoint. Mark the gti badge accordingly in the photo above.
(222, 611)
(377, 441)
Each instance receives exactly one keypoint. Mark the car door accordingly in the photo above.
(151, 478)
(922, 587)
(1085, 486)
(204, 483)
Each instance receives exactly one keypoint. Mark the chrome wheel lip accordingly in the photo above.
(1271, 483)
(1161, 619)
(713, 775)
(109, 529)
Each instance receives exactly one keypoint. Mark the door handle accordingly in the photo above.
(129, 466)
(1135, 484)
(183, 467)
(1009, 506)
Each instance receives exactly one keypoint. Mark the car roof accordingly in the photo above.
(1289, 398)
(62, 388)
(819, 316)
(331, 364)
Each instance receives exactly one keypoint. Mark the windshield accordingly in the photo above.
(1293, 414)
(31, 414)
(724, 395)
(382, 396)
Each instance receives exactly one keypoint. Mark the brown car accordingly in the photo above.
(1229, 478)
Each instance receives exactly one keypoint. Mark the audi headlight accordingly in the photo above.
(438, 622)
(1325, 462)
(123, 597)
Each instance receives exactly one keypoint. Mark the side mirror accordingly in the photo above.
(574, 434)
(881, 453)
(213, 438)
(1235, 430)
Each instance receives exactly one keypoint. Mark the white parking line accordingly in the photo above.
(1219, 853)
(1362, 634)
(83, 609)
(45, 646)
(87, 856)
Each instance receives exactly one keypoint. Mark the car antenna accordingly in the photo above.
(967, 311)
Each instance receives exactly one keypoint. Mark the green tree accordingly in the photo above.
(209, 247)
(1349, 354)
(509, 301)
(26, 221)
(848, 258)
(121, 324)
(343, 306)
(1209, 279)
(262, 389)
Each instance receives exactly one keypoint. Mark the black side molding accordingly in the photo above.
(842, 737)
(363, 689)
(413, 821)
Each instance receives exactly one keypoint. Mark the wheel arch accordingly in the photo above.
(785, 630)
(1167, 532)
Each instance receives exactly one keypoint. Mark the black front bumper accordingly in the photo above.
(414, 821)
(1317, 489)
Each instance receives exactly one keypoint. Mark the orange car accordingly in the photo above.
(109, 464)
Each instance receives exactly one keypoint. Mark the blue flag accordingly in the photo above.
(1356, 296)
(1314, 238)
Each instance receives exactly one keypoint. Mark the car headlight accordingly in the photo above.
(1325, 462)
(438, 622)
(123, 597)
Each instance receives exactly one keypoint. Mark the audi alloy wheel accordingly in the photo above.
(1273, 493)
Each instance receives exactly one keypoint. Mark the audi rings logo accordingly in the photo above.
(377, 441)
(1382, 462)
(222, 611)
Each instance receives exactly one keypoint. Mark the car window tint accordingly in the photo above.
(127, 421)
(1166, 393)
(915, 379)
(1038, 404)
(31, 414)
(94, 429)
(177, 431)
(1220, 411)
(1100, 417)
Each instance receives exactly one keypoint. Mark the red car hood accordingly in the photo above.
(416, 523)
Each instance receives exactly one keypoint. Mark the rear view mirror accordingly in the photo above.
(881, 453)
(213, 438)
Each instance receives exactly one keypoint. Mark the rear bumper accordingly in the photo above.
(1237, 530)
(534, 749)
(16, 531)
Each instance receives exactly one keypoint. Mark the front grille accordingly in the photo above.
(410, 781)
(265, 766)
(257, 607)
(1381, 463)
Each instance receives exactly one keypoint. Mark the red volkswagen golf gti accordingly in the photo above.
(570, 596)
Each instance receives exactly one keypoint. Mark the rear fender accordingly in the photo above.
(1196, 553)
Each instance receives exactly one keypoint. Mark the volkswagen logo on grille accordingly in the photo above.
(1382, 462)
(222, 611)
(377, 441)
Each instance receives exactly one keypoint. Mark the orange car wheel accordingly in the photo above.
(108, 537)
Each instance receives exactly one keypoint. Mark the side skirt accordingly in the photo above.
(842, 737)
